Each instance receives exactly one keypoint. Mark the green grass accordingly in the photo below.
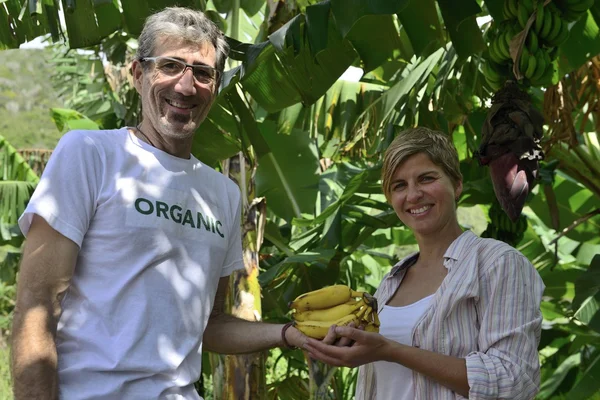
(5, 382)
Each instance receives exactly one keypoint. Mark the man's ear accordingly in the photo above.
(138, 74)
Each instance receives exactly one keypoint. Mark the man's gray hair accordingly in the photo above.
(186, 24)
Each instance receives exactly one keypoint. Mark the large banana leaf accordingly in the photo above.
(17, 182)
(574, 202)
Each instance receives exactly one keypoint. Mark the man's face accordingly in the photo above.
(175, 106)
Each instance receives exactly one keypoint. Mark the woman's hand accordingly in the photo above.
(365, 347)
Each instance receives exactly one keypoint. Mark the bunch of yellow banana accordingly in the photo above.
(314, 312)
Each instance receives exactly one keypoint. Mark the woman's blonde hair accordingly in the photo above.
(435, 144)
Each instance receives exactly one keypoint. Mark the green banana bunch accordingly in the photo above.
(314, 312)
(502, 228)
(550, 25)
(495, 74)
(572, 10)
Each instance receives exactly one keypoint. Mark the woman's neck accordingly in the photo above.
(433, 247)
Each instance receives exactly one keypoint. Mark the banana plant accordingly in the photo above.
(17, 182)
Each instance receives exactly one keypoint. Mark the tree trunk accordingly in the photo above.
(238, 377)
(320, 376)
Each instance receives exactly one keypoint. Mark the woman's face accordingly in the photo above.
(423, 195)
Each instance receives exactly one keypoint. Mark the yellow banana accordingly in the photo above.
(372, 328)
(362, 312)
(376, 320)
(368, 316)
(319, 329)
(329, 314)
(324, 298)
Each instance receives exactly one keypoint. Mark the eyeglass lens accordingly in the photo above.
(171, 67)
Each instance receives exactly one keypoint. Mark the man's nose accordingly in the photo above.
(186, 83)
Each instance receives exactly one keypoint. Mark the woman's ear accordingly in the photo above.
(458, 190)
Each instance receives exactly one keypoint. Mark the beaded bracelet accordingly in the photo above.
(283, 339)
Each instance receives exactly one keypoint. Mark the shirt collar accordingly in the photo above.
(454, 252)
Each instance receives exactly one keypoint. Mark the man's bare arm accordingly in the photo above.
(227, 334)
(44, 276)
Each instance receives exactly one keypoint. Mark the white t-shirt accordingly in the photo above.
(156, 233)
(394, 381)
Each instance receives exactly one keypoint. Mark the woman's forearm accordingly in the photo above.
(447, 370)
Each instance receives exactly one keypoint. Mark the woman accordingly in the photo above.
(460, 318)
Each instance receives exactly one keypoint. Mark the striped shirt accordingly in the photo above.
(487, 310)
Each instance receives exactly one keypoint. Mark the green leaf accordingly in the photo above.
(108, 16)
(589, 384)
(317, 24)
(82, 27)
(588, 284)
(212, 145)
(379, 44)
(347, 12)
(17, 182)
(495, 8)
(66, 120)
(422, 24)
(287, 175)
(462, 27)
(251, 7)
(393, 97)
(134, 14)
(549, 386)
(316, 258)
(574, 202)
(248, 126)
(582, 44)
(8, 40)
(223, 6)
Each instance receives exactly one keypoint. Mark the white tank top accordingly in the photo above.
(394, 381)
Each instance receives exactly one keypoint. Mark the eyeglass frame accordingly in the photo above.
(217, 73)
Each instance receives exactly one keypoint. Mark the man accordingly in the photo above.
(131, 239)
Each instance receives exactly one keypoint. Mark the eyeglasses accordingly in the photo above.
(173, 67)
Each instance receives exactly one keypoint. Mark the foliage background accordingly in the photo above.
(26, 96)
